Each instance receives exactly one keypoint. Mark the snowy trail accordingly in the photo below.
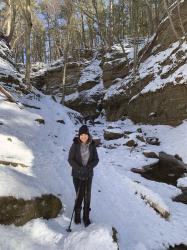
(44, 148)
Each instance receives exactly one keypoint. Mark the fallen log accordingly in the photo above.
(14, 164)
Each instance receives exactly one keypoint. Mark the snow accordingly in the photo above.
(116, 192)
(72, 97)
(91, 72)
(95, 237)
(41, 68)
(7, 69)
(182, 182)
(116, 130)
(2, 6)
(116, 89)
(19, 150)
(86, 96)
(20, 185)
(128, 47)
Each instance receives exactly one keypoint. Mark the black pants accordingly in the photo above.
(84, 193)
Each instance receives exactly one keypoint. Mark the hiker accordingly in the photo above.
(83, 158)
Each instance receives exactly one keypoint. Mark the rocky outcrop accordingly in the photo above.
(166, 106)
(49, 79)
(178, 247)
(87, 99)
(8, 73)
(157, 94)
(19, 211)
(117, 68)
(168, 169)
(116, 63)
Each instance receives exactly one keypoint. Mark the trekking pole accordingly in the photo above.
(69, 228)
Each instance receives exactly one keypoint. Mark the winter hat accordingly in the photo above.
(83, 130)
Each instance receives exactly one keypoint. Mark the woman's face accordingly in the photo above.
(84, 138)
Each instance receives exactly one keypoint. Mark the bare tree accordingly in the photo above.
(69, 12)
(26, 10)
(171, 21)
(180, 19)
(10, 16)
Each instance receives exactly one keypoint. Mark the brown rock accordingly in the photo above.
(131, 143)
(140, 138)
(112, 135)
(153, 141)
(97, 141)
(150, 154)
(20, 211)
(40, 121)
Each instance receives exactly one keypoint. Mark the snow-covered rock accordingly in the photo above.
(158, 92)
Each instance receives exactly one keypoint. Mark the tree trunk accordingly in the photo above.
(150, 17)
(110, 24)
(181, 22)
(28, 44)
(11, 21)
(103, 41)
(83, 31)
(171, 22)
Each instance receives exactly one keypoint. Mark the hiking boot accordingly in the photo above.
(87, 221)
(77, 217)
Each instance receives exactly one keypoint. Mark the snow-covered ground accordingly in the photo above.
(116, 201)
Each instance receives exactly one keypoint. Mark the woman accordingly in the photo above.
(83, 158)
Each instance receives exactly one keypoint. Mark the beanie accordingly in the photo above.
(83, 130)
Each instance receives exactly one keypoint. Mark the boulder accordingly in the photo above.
(181, 198)
(178, 247)
(40, 121)
(167, 169)
(150, 154)
(140, 138)
(131, 143)
(112, 134)
(153, 141)
(19, 211)
(97, 141)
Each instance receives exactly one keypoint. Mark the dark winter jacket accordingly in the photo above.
(75, 160)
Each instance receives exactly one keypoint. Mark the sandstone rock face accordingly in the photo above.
(8, 72)
(84, 86)
(158, 93)
(115, 65)
(50, 80)
(20, 211)
(168, 105)
(114, 69)
(89, 93)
